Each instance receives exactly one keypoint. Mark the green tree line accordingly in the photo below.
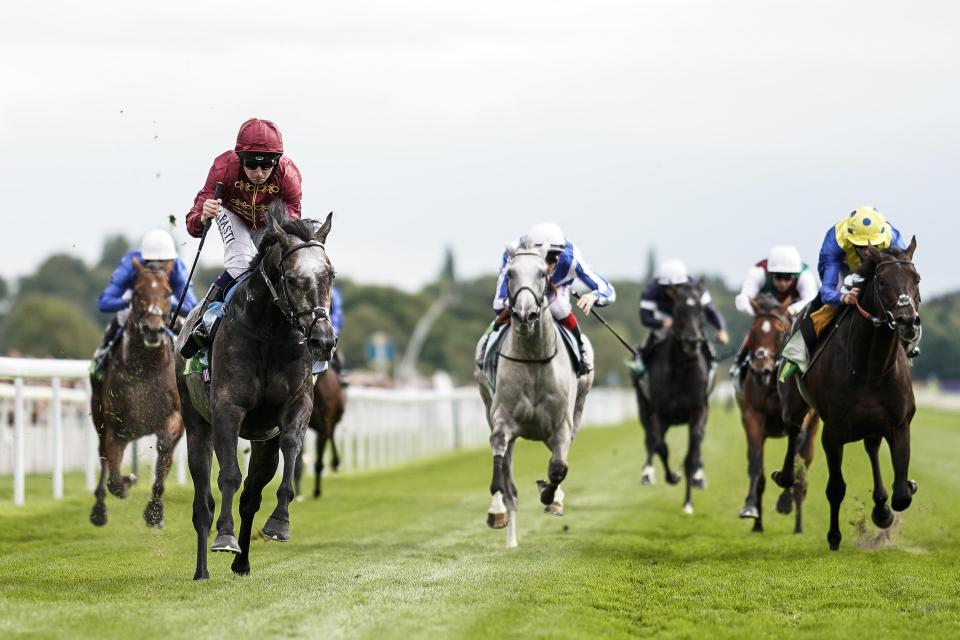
(53, 313)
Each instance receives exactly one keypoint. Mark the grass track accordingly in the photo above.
(405, 553)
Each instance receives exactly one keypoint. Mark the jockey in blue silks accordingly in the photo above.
(156, 246)
(336, 319)
(567, 268)
(837, 267)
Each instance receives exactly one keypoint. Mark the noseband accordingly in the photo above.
(290, 314)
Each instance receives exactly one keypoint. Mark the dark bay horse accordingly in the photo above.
(261, 386)
(861, 385)
(676, 389)
(329, 401)
(761, 411)
(138, 395)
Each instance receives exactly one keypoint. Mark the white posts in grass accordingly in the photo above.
(19, 425)
(93, 445)
(56, 409)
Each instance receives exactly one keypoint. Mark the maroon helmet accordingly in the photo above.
(259, 136)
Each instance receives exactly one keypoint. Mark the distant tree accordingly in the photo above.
(48, 326)
(4, 290)
(114, 248)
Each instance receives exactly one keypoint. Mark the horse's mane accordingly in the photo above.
(767, 302)
(304, 229)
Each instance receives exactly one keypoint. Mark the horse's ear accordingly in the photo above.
(869, 253)
(168, 267)
(512, 248)
(911, 248)
(324, 230)
(785, 306)
(275, 227)
(137, 266)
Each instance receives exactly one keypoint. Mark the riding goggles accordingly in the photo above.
(259, 161)
(783, 276)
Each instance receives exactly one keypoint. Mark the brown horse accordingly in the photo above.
(329, 401)
(860, 383)
(760, 411)
(138, 395)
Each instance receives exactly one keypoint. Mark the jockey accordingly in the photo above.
(656, 310)
(567, 266)
(782, 275)
(336, 319)
(254, 174)
(156, 247)
(838, 263)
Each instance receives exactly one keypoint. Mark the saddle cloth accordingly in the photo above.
(491, 357)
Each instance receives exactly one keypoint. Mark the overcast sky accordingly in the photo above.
(707, 129)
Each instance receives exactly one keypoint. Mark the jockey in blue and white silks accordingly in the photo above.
(568, 268)
(336, 310)
(156, 246)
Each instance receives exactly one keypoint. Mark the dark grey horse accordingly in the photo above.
(676, 388)
(261, 387)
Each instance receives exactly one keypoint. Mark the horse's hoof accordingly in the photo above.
(276, 530)
(782, 479)
(241, 568)
(699, 480)
(750, 512)
(99, 515)
(673, 478)
(797, 530)
(547, 492)
(785, 503)
(913, 486)
(554, 508)
(201, 575)
(882, 516)
(153, 515)
(648, 476)
(688, 509)
(225, 543)
(757, 527)
(497, 520)
(833, 541)
(900, 502)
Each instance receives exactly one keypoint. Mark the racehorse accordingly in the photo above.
(676, 389)
(761, 413)
(537, 394)
(138, 394)
(859, 381)
(261, 387)
(329, 401)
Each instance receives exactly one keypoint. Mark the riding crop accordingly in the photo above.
(217, 194)
(596, 315)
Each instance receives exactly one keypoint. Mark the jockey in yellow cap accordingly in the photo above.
(838, 263)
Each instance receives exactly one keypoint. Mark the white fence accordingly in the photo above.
(45, 424)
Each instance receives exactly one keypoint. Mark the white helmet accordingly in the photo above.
(672, 272)
(549, 234)
(784, 259)
(157, 245)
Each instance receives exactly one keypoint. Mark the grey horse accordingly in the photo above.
(537, 394)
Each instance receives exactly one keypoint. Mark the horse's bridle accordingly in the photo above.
(290, 314)
(886, 315)
(763, 352)
(539, 299)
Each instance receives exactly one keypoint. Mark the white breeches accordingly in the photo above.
(238, 246)
(560, 308)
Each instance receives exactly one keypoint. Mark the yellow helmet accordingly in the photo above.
(866, 225)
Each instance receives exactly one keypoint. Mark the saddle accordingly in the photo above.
(491, 355)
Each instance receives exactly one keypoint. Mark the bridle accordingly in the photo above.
(290, 314)
(540, 300)
(152, 310)
(886, 316)
(763, 352)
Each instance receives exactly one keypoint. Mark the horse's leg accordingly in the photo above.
(793, 409)
(500, 438)
(318, 465)
(199, 457)
(117, 483)
(98, 515)
(836, 487)
(903, 488)
(167, 440)
(510, 496)
(649, 473)
(264, 458)
(557, 470)
(754, 428)
(334, 454)
(691, 462)
(812, 423)
(881, 515)
(226, 427)
(277, 526)
(297, 475)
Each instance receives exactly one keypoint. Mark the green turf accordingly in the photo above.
(405, 553)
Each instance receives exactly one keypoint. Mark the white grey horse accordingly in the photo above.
(538, 395)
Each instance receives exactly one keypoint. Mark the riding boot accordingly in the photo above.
(106, 345)
(503, 318)
(198, 338)
(583, 368)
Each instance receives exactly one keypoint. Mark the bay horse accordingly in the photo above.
(860, 383)
(537, 394)
(761, 411)
(261, 386)
(138, 394)
(329, 401)
(676, 389)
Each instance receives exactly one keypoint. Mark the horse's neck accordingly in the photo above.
(542, 343)
(255, 307)
(872, 350)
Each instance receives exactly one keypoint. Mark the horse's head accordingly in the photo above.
(770, 327)
(529, 280)
(892, 288)
(299, 275)
(150, 304)
(688, 316)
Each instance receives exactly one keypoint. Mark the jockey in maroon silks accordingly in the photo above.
(254, 174)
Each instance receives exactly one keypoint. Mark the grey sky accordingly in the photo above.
(708, 129)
